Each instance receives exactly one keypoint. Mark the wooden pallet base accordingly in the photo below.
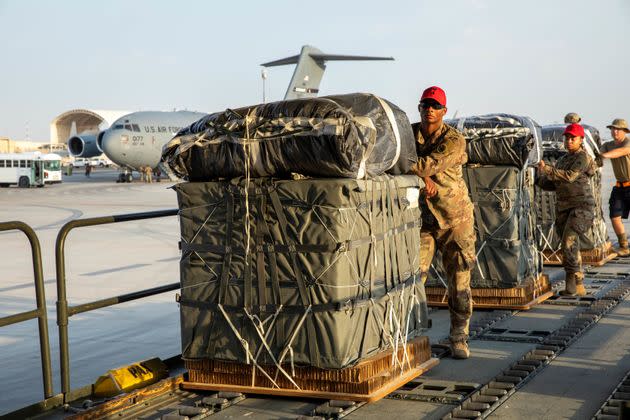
(516, 298)
(594, 257)
(390, 386)
(368, 377)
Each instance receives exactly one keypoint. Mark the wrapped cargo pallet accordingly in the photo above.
(595, 246)
(505, 226)
(501, 186)
(500, 139)
(285, 277)
(350, 136)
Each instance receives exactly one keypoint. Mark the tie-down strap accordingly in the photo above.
(344, 306)
(342, 246)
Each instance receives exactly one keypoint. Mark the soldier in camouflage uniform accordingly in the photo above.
(447, 212)
(572, 118)
(575, 202)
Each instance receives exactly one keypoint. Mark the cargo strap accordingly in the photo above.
(342, 246)
(346, 306)
(304, 294)
(227, 261)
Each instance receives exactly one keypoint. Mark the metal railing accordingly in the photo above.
(40, 298)
(64, 311)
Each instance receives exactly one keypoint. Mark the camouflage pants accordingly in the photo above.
(457, 246)
(571, 225)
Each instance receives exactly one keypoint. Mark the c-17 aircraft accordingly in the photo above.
(136, 140)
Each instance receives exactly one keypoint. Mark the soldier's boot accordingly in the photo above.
(623, 250)
(460, 308)
(570, 285)
(579, 284)
(459, 350)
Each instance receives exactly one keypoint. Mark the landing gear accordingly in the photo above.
(125, 176)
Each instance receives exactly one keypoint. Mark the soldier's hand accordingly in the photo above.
(541, 165)
(430, 187)
(599, 160)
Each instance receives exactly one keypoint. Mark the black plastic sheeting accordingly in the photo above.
(350, 136)
(500, 139)
(552, 139)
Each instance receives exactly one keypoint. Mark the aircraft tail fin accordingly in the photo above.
(310, 69)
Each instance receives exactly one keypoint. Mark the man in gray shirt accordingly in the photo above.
(618, 151)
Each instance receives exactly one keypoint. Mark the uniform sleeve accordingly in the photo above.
(577, 168)
(452, 152)
(545, 183)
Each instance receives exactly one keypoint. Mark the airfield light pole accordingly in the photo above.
(263, 74)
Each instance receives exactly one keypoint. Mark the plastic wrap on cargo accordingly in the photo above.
(553, 140)
(507, 254)
(351, 136)
(500, 139)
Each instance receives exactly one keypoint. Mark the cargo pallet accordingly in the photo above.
(516, 298)
(595, 257)
(369, 380)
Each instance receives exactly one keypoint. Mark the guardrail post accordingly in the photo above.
(63, 312)
(40, 298)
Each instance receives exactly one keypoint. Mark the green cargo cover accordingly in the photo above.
(504, 222)
(319, 272)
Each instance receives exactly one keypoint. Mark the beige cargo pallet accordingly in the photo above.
(595, 257)
(516, 298)
(369, 380)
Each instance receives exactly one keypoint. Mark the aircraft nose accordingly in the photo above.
(111, 143)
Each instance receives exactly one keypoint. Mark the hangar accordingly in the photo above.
(79, 128)
(84, 121)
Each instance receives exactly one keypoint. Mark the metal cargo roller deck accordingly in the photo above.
(560, 359)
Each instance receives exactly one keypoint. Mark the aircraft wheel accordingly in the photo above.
(24, 182)
(128, 177)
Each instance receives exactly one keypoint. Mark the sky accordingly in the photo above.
(538, 58)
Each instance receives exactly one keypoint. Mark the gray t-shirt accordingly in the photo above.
(621, 165)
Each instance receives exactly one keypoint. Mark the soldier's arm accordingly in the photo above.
(615, 153)
(452, 152)
(579, 166)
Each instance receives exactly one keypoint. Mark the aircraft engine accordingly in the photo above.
(84, 145)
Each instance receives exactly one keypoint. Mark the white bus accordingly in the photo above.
(29, 169)
(52, 168)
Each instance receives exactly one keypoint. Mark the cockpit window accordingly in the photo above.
(136, 127)
(128, 127)
(118, 127)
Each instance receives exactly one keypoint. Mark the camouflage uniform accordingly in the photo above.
(575, 204)
(447, 219)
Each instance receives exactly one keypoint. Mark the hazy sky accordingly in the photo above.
(537, 58)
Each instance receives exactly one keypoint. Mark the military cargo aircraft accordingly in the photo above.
(136, 140)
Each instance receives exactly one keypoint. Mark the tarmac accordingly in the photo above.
(101, 261)
(114, 259)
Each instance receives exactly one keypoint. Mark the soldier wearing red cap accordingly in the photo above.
(447, 213)
(575, 203)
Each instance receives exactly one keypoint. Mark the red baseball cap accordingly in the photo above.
(436, 93)
(575, 130)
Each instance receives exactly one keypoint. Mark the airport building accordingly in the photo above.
(80, 121)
